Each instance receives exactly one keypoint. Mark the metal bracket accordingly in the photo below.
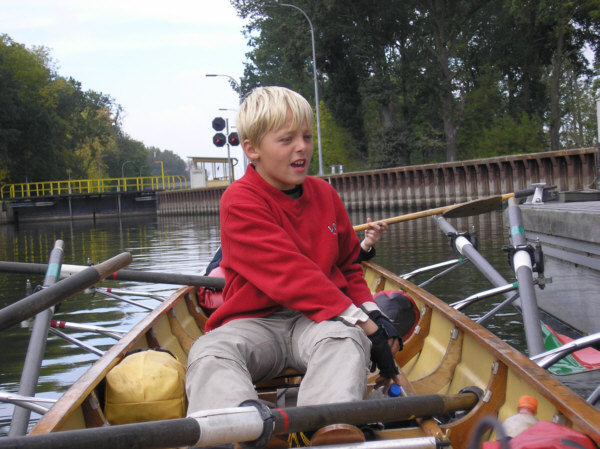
(538, 194)
(455, 235)
(510, 250)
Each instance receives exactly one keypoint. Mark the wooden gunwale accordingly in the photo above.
(74, 397)
(574, 408)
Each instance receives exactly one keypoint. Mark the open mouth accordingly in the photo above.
(299, 164)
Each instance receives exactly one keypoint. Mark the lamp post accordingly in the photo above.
(598, 144)
(312, 36)
(229, 162)
(123, 167)
(234, 83)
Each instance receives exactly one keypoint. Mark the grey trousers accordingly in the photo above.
(224, 364)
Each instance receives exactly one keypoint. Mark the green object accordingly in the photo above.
(566, 365)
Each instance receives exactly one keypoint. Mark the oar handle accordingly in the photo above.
(104, 269)
(52, 295)
(525, 192)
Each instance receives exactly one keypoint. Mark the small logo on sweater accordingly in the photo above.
(332, 228)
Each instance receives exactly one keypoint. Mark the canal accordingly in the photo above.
(186, 245)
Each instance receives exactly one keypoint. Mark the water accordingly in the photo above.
(186, 245)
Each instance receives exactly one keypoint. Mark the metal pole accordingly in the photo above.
(312, 37)
(597, 155)
(466, 248)
(37, 346)
(238, 89)
(229, 168)
(523, 271)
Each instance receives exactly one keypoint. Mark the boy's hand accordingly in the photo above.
(384, 322)
(373, 233)
(381, 355)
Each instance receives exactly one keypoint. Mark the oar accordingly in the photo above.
(121, 275)
(467, 209)
(48, 297)
(254, 422)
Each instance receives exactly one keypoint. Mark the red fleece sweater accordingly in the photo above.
(279, 252)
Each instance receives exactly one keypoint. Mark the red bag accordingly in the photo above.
(546, 435)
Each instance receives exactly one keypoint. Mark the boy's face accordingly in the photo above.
(283, 155)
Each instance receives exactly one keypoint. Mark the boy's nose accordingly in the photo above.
(302, 145)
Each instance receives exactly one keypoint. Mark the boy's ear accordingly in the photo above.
(250, 150)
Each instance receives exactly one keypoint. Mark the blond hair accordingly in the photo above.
(266, 109)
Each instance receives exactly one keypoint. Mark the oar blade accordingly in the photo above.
(475, 207)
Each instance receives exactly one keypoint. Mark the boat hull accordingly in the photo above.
(446, 353)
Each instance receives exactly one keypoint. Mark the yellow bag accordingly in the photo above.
(145, 386)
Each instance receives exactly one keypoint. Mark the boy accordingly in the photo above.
(294, 296)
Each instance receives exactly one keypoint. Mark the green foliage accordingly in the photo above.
(504, 136)
(578, 106)
(337, 145)
(50, 129)
(417, 81)
(488, 129)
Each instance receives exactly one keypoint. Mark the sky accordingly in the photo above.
(150, 56)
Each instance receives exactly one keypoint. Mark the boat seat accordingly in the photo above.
(287, 379)
(282, 390)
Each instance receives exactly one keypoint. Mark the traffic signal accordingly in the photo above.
(233, 139)
(218, 124)
(219, 139)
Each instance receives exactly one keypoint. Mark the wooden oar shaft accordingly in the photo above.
(122, 275)
(242, 424)
(52, 295)
(481, 205)
(408, 217)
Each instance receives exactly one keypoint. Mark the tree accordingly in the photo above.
(569, 27)
(340, 147)
(50, 129)
(578, 107)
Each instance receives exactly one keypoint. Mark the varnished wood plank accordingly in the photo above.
(442, 375)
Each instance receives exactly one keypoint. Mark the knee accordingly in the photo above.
(350, 334)
(347, 339)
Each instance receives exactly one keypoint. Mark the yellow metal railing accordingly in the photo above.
(82, 186)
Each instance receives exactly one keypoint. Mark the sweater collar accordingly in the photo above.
(255, 179)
